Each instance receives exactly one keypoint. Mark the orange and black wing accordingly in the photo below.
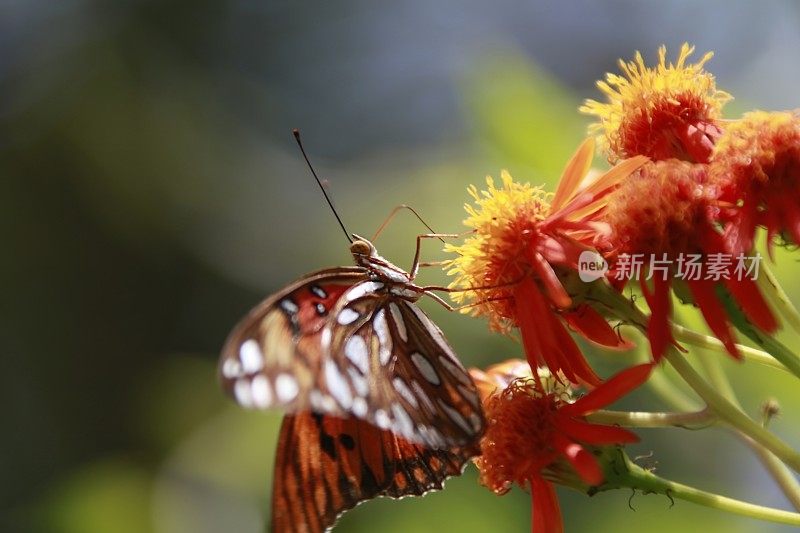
(326, 465)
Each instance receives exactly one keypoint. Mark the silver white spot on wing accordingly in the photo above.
(397, 317)
(456, 417)
(325, 338)
(422, 395)
(286, 388)
(476, 422)
(434, 331)
(251, 356)
(402, 420)
(262, 393)
(401, 387)
(231, 368)
(359, 381)
(382, 419)
(470, 395)
(453, 366)
(315, 399)
(337, 385)
(431, 436)
(361, 290)
(347, 316)
(425, 367)
(384, 338)
(243, 393)
(360, 407)
(289, 306)
(318, 292)
(355, 349)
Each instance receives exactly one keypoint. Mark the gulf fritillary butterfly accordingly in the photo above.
(379, 403)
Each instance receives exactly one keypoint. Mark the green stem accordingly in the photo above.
(732, 414)
(693, 420)
(768, 342)
(669, 392)
(646, 481)
(698, 340)
(769, 285)
(782, 475)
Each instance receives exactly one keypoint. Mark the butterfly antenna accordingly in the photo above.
(296, 134)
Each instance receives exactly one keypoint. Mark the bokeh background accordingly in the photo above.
(151, 193)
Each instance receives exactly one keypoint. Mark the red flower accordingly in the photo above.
(666, 210)
(757, 162)
(537, 435)
(524, 245)
(672, 110)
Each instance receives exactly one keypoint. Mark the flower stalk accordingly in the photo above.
(625, 473)
(637, 419)
(772, 289)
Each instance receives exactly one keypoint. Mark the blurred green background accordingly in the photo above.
(151, 193)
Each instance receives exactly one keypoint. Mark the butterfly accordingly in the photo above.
(379, 403)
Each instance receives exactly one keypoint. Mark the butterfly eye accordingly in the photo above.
(360, 247)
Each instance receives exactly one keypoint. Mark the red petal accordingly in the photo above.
(550, 280)
(571, 356)
(545, 511)
(749, 298)
(577, 203)
(526, 297)
(613, 389)
(739, 234)
(717, 320)
(658, 332)
(577, 167)
(581, 460)
(594, 433)
(618, 172)
(594, 327)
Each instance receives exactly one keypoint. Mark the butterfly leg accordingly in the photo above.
(441, 236)
(423, 264)
(438, 299)
(440, 288)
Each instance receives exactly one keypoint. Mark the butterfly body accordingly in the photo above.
(379, 403)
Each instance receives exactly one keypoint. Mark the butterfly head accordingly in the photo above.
(362, 249)
(365, 255)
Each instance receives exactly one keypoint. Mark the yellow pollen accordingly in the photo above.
(505, 221)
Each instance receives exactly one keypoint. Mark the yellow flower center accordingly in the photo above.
(505, 221)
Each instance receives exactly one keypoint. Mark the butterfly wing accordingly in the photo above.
(340, 343)
(391, 365)
(272, 357)
(326, 465)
